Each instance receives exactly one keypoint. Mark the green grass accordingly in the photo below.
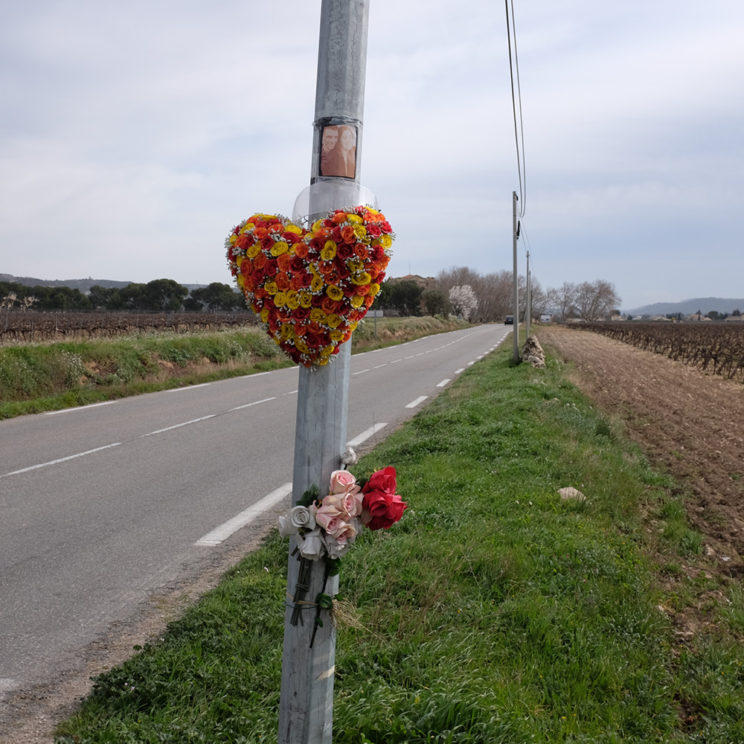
(52, 376)
(493, 612)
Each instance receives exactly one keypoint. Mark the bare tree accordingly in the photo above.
(595, 300)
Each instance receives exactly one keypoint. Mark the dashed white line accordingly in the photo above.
(255, 403)
(366, 434)
(360, 372)
(80, 408)
(188, 387)
(221, 533)
(178, 426)
(458, 371)
(61, 459)
(443, 382)
(417, 402)
(378, 366)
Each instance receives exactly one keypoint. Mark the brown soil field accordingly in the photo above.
(689, 424)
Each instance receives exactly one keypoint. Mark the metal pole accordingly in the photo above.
(528, 318)
(515, 354)
(306, 705)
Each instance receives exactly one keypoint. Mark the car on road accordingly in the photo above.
(509, 320)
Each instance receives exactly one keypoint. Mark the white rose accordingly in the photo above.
(311, 545)
(336, 548)
(298, 518)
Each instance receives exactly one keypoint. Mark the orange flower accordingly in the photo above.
(348, 234)
(339, 217)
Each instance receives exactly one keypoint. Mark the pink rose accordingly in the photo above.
(341, 480)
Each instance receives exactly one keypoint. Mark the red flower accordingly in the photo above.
(382, 507)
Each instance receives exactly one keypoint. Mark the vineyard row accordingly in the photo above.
(711, 347)
(28, 327)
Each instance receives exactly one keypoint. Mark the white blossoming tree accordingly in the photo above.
(463, 300)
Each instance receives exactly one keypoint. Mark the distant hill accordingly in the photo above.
(688, 307)
(83, 285)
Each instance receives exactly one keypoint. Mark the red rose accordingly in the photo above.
(382, 507)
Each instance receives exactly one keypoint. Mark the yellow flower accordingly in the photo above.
(302, 347)
(265, 315)
(333, 320)
(316, 285)
(374, 288)
(306, 299)
(351, 217)
(334, 292)
(279, 248)
(355, 264)
(238, 261)
(360, 231)
(280, 299)
(293, 299)
(271, 288)
(253, 250)
(233, 239)
(361, 278)
(336, 335)
(317, 315)
(357, 301)
(386, 241)
(317, 225)
(286, 332)
(353, 326)
(247, 227)
(328, 252)
(293, 229)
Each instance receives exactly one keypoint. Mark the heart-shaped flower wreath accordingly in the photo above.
(311, 287)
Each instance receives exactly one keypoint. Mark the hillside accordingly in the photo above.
(688, 307)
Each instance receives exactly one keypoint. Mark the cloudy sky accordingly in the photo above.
(134, 136)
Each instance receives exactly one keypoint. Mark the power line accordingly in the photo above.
(516, 95)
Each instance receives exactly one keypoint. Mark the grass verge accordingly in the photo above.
(47, 377)
(493, 612)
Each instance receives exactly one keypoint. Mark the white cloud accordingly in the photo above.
(132, 137)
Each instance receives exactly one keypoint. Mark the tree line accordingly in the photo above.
(159, 295)
(459, 291)
(489, 298)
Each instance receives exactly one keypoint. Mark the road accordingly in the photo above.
(103, 505)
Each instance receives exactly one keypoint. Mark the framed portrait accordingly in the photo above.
(338, 150)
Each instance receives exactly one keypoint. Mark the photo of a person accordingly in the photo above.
(338, 151)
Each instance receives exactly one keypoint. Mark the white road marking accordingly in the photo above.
(188, 387)
(457, 371)
(360, 372)
(60, 459)
(80, 408)
(178, 426)
(443, 382)
(365, 435)
(255, 403)
(221, 533)
(416, 402)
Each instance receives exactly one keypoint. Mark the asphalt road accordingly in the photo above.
(103, 505)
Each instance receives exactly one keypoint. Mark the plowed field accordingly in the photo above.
(689, 423)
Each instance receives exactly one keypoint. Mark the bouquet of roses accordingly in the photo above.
(328, 526)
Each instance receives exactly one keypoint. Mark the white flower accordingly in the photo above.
(298, 518)
(336, 548)
(349, 457)
(311, 545)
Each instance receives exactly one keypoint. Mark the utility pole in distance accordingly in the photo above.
(306, 706)
(515, 235)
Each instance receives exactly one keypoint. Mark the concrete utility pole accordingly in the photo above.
(515, 355)
(306, 707)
